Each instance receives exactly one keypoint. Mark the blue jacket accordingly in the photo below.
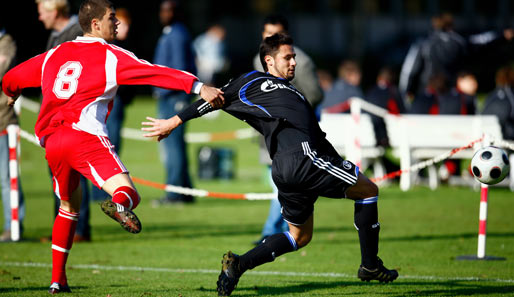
(174, 50)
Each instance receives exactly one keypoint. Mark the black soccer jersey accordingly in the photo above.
(272, 106)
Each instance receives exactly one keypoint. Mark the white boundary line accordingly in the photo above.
(277, 273)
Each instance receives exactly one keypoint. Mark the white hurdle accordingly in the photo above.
(13, 132)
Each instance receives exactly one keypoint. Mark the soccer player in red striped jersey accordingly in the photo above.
(79, 80)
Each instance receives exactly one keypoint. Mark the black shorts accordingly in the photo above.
(304, 174)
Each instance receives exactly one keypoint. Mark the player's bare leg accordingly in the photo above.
(365, 195)
(124, 198)
(62, 240)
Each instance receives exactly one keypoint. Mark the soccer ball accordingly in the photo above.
(490, 165)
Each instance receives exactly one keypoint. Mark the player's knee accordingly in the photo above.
(373, 189)
(364, 188)
(126, 196)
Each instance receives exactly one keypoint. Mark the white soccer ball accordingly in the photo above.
(490, 165)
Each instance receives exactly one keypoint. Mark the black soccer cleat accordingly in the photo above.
(127, 219)
(230, 274)
(381, 273)
(56, 288)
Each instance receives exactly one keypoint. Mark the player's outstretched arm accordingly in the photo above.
(160, 128)
(212, 98)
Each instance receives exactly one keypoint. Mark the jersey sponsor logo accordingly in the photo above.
(347, 165)
(269, 86)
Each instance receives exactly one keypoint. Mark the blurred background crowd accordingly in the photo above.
(373, 32)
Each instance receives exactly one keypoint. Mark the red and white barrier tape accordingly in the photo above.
(204, 193)
(427, 163)
(267, 196)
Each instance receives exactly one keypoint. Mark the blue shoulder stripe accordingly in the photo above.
(244, 99)
(250, 73)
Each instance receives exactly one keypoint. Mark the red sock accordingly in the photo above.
(62, 239)
(126, 196)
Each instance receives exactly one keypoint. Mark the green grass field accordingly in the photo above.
(178, 252)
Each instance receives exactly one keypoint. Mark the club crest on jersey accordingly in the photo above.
(269, 86)
(347, 165)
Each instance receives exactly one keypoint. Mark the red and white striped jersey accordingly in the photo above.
(79, 79)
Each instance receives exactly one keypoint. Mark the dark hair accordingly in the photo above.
(270, 46)
(276, 19)
(92, 9)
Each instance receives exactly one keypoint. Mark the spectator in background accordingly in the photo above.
(326, 80)
(345, 87)
(444, 52)
(427, 102)
(458, 100)
(174, 50)
(7, 117)
(306, 81)
(123, 97)
(439, 98)
(461, 99)
(500, 102)
(384, 94)
(55, 15)
(210, 53)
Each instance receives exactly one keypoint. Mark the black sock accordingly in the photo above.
(272, 247)
(366, 222)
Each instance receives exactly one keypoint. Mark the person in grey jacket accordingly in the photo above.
(54, 14)
(307, 82)
(7, 117)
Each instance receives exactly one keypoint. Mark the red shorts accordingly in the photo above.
(71, 153)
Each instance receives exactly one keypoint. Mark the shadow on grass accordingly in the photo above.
(39, 289)
(184, 230)
(399, 288)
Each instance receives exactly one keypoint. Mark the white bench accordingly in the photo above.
(420, 137)
(347, 136)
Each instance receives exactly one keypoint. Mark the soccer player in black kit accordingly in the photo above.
(305, 165)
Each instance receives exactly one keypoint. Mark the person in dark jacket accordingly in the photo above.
(443, 52)
(174, 50)
(384, 94)
(500, 102)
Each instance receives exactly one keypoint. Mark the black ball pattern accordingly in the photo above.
(495, 172)
(476, 171)
(486, 155)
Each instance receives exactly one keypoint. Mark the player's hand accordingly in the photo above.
(159, 127)
(12, 100)
(212, 95)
